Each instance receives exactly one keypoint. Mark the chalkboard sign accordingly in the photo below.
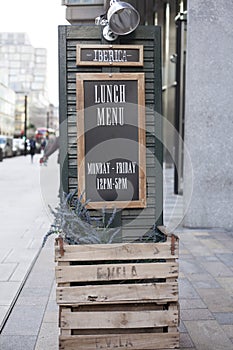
(111, 139)
(109, 55)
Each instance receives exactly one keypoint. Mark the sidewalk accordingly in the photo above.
(24, 220)
(205, 283)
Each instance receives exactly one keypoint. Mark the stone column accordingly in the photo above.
(209, 115)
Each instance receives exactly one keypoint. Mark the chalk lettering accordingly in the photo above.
(98, 168)
(110, 56)
(121, 183)
(125, 167)
(104, 183)
(107, 116)
(110, 93)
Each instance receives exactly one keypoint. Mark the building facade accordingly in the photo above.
(83, 11)
(52, 117)
(27, 70)
(7, 106)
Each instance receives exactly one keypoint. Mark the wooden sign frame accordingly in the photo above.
(137, 80)
(111, 55)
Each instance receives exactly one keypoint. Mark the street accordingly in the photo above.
(26, 190)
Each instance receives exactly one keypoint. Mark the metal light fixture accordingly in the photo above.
(121, 19)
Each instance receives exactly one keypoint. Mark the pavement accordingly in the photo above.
(25, 218)
(205, 290)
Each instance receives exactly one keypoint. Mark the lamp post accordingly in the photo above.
(47, 121)
(25, 125)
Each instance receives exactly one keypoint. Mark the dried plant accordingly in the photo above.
(74, 223)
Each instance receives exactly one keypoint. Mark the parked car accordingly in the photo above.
(6, 144)
(16, 147)
(22, 146)
(1, 155)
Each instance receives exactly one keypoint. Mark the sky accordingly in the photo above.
(40, 20)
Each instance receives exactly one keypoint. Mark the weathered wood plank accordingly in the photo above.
(107, 272)
(118, 319)
(124, 293)
(120, 251)
(141, 341)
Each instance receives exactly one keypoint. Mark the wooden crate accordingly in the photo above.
(118, 296)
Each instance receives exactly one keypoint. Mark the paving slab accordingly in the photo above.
(196, 314)
(25, 320)
(186, 341)
(228, 242)
(226, 258)
(48, 337)
(199, 250)
(186, 290)
(48, 334)
(216, 299)
(3, 312)
(214, 245)
(224, 318)
(208, 335)
(15, 342)
(217, 269)
(182, 328)
(5, 251)
(190, 266)
(228, 329)
(203, 280)
(226, 283)
(22, 255)
(20, 271)
(7, 292)
(7, 270)
(187, 304)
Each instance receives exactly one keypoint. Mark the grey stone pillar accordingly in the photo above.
(209, 115)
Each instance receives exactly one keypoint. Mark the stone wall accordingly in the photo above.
(209, 115)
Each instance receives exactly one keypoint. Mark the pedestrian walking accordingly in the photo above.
(43, 144)
(51, 146)
(32, 148)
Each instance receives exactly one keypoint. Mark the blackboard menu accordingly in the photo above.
(111, 139)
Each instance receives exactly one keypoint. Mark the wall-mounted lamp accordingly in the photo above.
(121, 19)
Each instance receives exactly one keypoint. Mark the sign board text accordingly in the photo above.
(111, 139)
(109, 55)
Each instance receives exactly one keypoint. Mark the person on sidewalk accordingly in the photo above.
(51, 146)
(32, 148)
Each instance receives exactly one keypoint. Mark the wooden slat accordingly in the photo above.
(120, 251)
(142, 341)
(151, 292)
(107, 272)
(118, 319)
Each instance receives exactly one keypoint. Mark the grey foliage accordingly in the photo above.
(74, 223)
